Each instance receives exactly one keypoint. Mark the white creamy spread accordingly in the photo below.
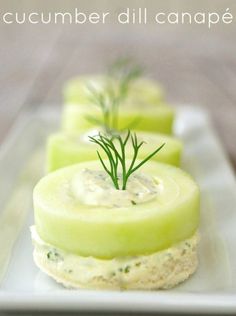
(85, 137)
(162, 269)
(93, 187)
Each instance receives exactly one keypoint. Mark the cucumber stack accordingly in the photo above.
(111, 218)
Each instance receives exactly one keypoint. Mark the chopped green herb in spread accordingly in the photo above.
(53, 255)
(127, 269)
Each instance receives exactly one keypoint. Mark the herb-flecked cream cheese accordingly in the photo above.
(93, 187)
(160, 270)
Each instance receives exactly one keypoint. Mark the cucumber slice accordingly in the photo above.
(144, 90)
(64, 149)
(146, 117)
(63, 221)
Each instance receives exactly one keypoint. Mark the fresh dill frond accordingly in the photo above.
(108, 99)
(103, 100)
(124, 71)
(115, 149)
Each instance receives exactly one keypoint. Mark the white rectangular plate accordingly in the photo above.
(211, 289)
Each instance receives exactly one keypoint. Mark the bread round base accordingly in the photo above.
(161, 270)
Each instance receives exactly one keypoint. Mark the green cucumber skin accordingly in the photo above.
(62, 152)
(105, 233)
(160, 120)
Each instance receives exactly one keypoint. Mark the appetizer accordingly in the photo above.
(64, 149)
(140, 101)
(117, 223)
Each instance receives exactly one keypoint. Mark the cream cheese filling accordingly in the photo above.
(95, 187)
(162, 269)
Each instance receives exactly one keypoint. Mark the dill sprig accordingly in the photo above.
(124, 71)
(117, 157)
(108, 99)
(103, 100)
